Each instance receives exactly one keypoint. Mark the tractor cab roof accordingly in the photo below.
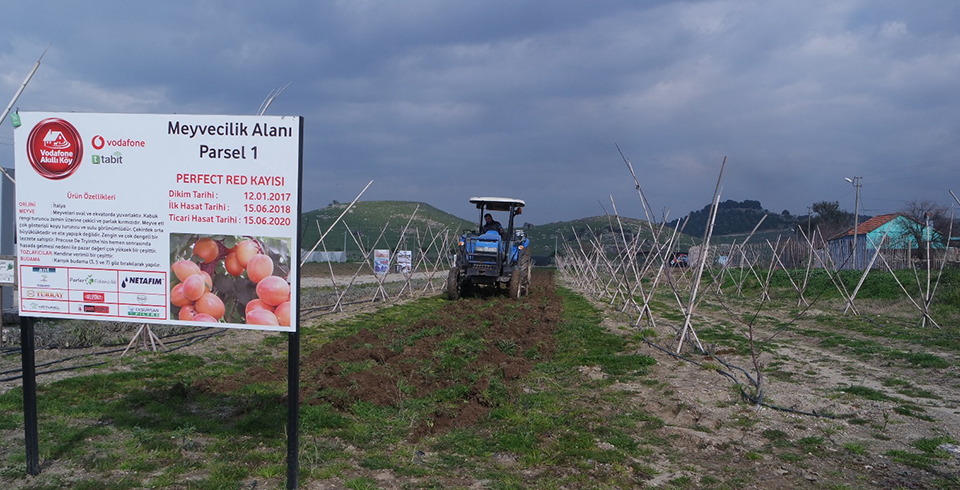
(497, 203)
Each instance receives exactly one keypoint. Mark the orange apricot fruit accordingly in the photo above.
(262, 317)
(245, 250)
(273, 290)
(258, 267)
(184, 269)
(206, 249)
(210, 304)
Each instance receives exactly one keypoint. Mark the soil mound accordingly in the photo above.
(452, 356)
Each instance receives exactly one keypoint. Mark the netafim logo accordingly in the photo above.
(149, 281)
(54, 148)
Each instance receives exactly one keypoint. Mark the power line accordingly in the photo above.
(919, 165)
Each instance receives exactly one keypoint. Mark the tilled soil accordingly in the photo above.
(415, 366)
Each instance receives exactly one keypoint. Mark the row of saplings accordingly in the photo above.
(245, 265)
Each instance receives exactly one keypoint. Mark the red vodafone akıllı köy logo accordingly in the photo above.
(54, 148)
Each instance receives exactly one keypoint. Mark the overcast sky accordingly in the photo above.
(438, 101)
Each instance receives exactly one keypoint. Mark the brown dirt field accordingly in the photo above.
(414, 365)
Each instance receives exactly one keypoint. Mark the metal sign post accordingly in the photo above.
(293, 409)
(30, 434)
(293, 350)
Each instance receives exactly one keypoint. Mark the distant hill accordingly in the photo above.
(543, 238)
(367, 219)
(736, 218)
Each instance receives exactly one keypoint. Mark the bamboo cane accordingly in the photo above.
(687, 326)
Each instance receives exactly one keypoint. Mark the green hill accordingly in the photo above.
(735, 220)
(545, 237)
(367, 219)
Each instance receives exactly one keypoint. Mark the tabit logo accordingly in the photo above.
(54, 148)
(115, 159)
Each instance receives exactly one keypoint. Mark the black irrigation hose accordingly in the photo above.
(63, 360)
(13, 378)
(16, 350)
(350, 303)
(743, 393)
(185, 341)
(193, 340)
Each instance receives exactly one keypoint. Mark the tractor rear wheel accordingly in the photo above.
(453, 284)
(515, 279)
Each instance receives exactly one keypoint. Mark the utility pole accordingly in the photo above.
(856, 182)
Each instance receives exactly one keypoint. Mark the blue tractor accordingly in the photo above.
(493, 257)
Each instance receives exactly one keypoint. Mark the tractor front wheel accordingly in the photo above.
(453, 284)
(516, 278)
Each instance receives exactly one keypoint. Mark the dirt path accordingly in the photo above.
(714, 432)
(342, 280)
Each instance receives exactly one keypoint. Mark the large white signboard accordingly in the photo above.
(159, 218)
(8, 276)
(405, 261)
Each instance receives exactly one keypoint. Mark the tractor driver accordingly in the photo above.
(490, 224)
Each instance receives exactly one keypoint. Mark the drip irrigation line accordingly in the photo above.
(19, 376)
(754, 400)
(16, 350)
(193, 339)
(350, 303)
(64, 360)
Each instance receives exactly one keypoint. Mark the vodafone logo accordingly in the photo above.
(54, 148)
(99, 142)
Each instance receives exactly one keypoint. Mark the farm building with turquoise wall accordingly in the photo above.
(895, 234)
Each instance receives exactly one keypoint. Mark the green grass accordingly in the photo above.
(867, 393)
(929, 454)
(151, 424)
